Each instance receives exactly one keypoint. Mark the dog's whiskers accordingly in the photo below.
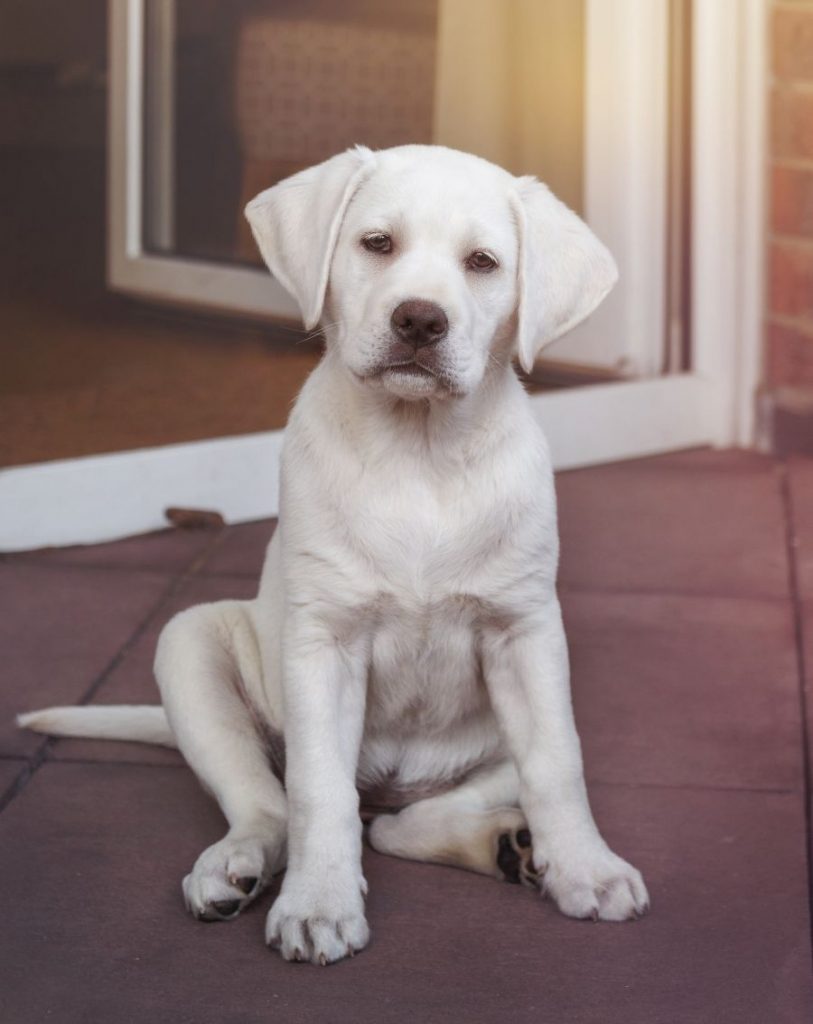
(321, 329)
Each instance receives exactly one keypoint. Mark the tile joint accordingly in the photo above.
(791, 547)
(38, 758)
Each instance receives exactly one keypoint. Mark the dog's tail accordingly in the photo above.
(141, 723)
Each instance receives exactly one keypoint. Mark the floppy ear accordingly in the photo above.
(296, 224)
(564, 271)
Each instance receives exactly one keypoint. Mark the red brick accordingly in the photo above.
(792, 201)
(790, 357)
(792, 42)
(792, 123)
(790, 290)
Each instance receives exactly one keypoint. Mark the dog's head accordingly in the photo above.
(424, 263)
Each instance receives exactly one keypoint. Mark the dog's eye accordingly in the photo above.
(377, 242)
(480, 260)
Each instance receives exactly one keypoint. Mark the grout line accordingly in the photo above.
(693, 787)
(129, 762)
(40, 755)
(792, 163)
(175, 585)
(781, 238)
(244, 575)
(798, 630)
(30, 767)
(564, 588)
(41, 559)
(801, 324)
(30, 562)
(651, 464)
(592, 783)
(123, 569)
(563, 585)
(235, 577)
(785, 86)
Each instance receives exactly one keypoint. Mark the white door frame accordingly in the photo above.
(70, 501)
(129, 267)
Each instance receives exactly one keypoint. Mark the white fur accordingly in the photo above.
(407, 628)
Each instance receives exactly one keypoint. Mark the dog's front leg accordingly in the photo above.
(527, 675)
(319, 913)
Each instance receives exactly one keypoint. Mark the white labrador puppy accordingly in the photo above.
(407, 632)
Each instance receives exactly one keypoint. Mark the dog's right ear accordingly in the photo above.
(296, 223)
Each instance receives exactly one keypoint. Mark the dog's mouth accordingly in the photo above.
(410, 378)
(410, 369)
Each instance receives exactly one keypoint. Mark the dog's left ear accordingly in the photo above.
(296, 223)
(564, 271)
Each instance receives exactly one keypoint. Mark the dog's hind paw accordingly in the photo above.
(515, 858)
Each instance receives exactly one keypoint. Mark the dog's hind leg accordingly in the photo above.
(478, 826)
(207, 663)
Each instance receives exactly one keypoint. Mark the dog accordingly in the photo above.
(406, 641)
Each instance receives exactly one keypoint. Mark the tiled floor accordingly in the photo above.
(689, 630)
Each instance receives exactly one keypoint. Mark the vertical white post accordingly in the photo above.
(727, 210)
(124, 111)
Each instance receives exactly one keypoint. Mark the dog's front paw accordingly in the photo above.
(317, 922)
(595, 884)
(229, 875)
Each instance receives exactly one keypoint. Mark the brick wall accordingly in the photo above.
(789, 334)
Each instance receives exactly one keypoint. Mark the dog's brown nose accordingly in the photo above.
(419, 323)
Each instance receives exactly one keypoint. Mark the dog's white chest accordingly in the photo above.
(424, 666)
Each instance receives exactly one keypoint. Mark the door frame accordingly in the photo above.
(129, 268)
(69, 502)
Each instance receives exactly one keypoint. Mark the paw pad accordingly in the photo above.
(226, 908)
(248, 885)
(514, 858)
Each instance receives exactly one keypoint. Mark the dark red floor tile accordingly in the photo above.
(685, 691)
(166, 551)
(10, 769)
(669, 690)
(59, 628)
(711, 459)
(807, 659)
(676, 527)
(101, 934)
(132, 681)
(241, 551)
(801, 487)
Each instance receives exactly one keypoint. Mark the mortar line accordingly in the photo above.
(798, 631)
(37, 759)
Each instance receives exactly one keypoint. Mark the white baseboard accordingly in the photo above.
(587, 426)
(106, 497)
